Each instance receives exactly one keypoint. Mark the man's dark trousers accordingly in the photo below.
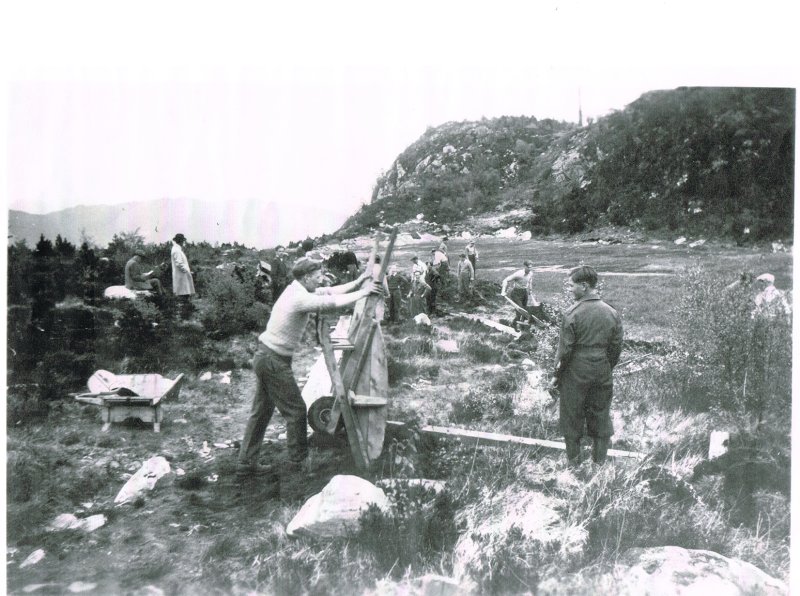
(275, 387)
(586, 392)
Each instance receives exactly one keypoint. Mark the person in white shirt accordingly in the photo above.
(272, 364)
(770, 301)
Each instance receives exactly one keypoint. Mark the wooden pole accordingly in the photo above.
(500, 440)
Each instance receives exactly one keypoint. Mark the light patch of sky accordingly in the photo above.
(306, 105)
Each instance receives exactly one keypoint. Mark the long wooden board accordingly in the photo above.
(500, 440)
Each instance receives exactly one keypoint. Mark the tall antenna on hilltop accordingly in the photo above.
(580, 110)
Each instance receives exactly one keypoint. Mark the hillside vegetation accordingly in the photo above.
(717, 161)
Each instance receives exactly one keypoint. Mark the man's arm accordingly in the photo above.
(615, 343)
(566, 346)
(348, 287)
(516, 275)
(314, 302)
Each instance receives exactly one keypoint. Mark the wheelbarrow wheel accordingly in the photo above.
(319, 416)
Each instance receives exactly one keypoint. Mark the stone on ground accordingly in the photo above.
(668, 570)
(144, 479)
(336, 509)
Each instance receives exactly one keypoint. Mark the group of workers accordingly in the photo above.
(590, 343)
(589, 346)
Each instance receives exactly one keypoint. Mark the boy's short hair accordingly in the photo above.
(584, 274)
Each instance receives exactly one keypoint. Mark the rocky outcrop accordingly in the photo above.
(668, 570)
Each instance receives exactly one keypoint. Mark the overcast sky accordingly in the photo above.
(111, 102)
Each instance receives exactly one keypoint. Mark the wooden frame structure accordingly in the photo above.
(360, 379)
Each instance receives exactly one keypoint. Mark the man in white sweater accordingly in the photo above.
(275, 384)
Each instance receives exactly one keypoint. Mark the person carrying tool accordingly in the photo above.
(522, 297)
(589, 345)
(272, 363)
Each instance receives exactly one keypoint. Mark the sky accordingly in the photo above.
(305, 105)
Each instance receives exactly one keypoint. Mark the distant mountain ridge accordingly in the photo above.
(253, 223)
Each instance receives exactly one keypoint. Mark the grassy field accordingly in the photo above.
(202, 533)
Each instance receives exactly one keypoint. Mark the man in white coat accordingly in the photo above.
(182, 283)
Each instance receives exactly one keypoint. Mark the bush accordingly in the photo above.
(479, 404)
(742, 362)
(482, 351)
(232, 305)
(416, 532)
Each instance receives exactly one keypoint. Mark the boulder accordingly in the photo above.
(67, 521)
(668, 570)
(447, 345)
(144, 479)
(33, 558)
(336, 509)
(121, 292)
(422, 319)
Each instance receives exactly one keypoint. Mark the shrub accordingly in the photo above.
(482, 351)
(416, 532)
(479, 404)
(232, 306)
(24, 404)
(740, 361)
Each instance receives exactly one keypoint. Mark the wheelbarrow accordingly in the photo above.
(130, 396)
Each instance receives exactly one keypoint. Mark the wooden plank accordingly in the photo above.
(356, 441)
(501, 440)
(352, 370)
(367, 401)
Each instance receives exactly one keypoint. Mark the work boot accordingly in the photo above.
(252, 471)
(573, 452)
(599, 449)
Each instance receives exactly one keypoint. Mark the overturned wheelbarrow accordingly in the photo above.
(130, 396)
(349, 384)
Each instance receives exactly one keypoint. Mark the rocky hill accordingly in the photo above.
(716, 161)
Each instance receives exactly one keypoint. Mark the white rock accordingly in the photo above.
(528, 363)
(525, 235)
(78, 587)
(420, 216)
(33, 558)
(422, 319)
(447, 345)
(31, 588)
(680, 241)
(718, 443)
(91, 523)
(118, 292)
(147, 591)
(225, 377)
(65, 521)
(144, 479)
(439, 585)
(675, 570)
(506, 233)
(697, 243)
(206, 376)
(336, 509)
